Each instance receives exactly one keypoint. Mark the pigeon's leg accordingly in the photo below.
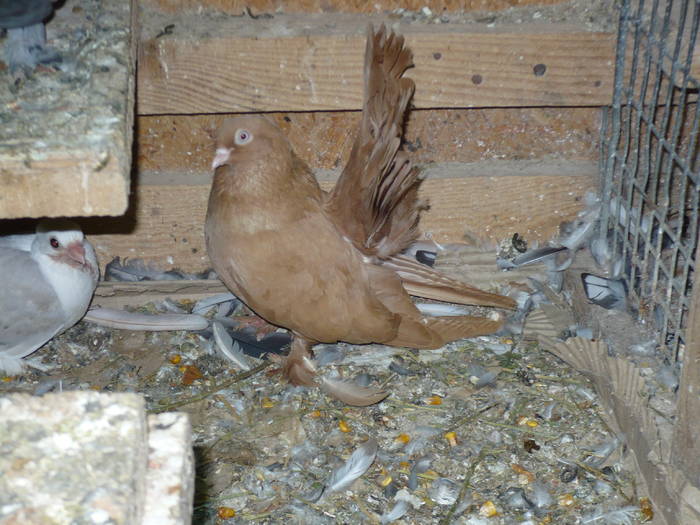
(298, 367)
(26, 47)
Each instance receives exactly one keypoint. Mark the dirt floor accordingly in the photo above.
(492, 430)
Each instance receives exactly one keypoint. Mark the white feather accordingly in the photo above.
(398, 512)
(228, 347)
(354, 467)
(441, 309)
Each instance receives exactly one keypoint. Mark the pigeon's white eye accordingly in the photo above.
(243, 136)
(54, 242)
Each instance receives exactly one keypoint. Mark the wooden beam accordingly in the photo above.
(167, 143)
(491, 199)
(113, 294)
(65, 139)
(355, 6)
(236, 65)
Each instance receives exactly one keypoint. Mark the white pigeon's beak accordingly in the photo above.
(76, 251)
(221, 157)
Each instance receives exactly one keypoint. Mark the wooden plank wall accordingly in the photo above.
(494, 169)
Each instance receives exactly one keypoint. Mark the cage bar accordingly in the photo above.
(649, 157)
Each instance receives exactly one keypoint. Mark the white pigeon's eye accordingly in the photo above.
(243, 136)
(53, 241)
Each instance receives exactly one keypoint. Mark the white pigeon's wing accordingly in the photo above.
(18, 242)
(30, 312)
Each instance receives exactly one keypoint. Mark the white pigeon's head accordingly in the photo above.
(63, 241)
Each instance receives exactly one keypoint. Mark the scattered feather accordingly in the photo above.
(230, 349)
(124, 320)
(668, 377)
(354, 467)
(426, 257)
(622, 516)
(515, 498)
(329, 354)
(351, 393)
(537, 255)
(414, 501)
(606, 293)
(540, 496)
(441, 309)
(138, 270)
(443, 491)
(204, 305)
(397, 512)
(420, 466)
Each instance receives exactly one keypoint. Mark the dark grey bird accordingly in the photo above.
(25, 45)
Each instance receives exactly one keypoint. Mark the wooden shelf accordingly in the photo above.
(66, 135)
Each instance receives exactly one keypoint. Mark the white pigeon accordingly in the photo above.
(46, 282)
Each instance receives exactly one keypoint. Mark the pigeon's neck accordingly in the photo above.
(71, 285)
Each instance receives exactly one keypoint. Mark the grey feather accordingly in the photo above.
(358, 463)
(230, 349)
(123, 320)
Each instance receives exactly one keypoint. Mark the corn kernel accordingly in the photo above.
(566, 500)
(176, 359)
(386, 481)
(532, 423)
(522, 471)
(646, 509)
(267, 402)
(343, 426)
(225, 513)
(403, 438)
(488, 509)
(451, 438)
(315, 414)
(183, 369)
(434, 400)
(404, 464)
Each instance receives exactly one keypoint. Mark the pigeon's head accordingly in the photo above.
(247, 137)
(63, 241)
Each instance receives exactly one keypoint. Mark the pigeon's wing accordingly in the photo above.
(18, 242)
(30, 312)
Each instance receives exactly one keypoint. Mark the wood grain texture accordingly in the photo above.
(231, 69)
(60, 182)
(686, 446)
(493, 200)
(355, 6)
(112, 294)
(168, 143)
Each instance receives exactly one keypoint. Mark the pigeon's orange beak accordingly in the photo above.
(221, 157)
(76, 251)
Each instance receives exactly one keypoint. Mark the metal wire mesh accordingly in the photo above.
(650, 165)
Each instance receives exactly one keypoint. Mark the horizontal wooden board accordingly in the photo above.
(246, 66)
(116, 294)
(492, 200)
(168, 143)
(358, 6)
(65, 137)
